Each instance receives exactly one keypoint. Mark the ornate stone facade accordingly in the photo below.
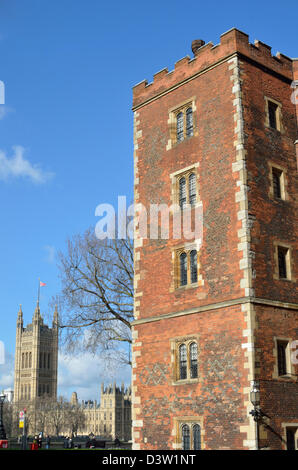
(36, 362)
(111, 417)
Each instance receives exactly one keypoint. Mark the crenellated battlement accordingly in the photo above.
(207, 56)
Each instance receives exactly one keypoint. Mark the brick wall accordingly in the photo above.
(231, 151)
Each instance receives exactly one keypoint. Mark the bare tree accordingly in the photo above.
(44, 407)
(57, 413)
(75, 419)
(97, 293)
(9, 419)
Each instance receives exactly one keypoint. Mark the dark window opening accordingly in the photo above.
(282, 262)
(291, 438)
(276, 175)
(282, 357)
(272, 110)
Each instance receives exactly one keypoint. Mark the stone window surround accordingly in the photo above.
(190, 421)
(290, 367)
(172, 121)
(176, 252)
(279, 125)
(176, 176)
(283, 181)
(289, 262)
(175, 343)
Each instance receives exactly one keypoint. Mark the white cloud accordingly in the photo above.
(84, 374)
(18, 167)
(51, 253)
(7, 372)
(4, 110)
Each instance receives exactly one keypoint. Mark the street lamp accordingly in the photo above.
(256, 412)
(2, 430)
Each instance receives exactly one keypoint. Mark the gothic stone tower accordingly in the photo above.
(36, 359)
(216, 315)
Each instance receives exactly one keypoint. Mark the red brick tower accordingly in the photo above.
(216, 316)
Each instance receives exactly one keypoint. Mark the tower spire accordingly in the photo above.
(55, 317)
(20, 317)
(36, 315)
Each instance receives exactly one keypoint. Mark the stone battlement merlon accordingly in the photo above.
(232, 42)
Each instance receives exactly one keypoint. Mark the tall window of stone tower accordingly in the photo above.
(192, 189)
(189, 122)
(30, 359)
(49, 360)
(180, 127)
(183, 269)
(193, 352)
(196, 437)
(193, 266)
(182, 192)
(182, 362)
(185, 437)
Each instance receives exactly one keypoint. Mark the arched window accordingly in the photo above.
(196, 432)
(26, 360)
(192, 189)
(30, 359)
(23, 360)
(193, 354)
(185, 437)
(189, 122)
(182, 362)
(193, 266)
(183, 269)
(180, 127)
(182, 192)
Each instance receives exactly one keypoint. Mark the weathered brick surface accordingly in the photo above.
(231, 149)
(217, 396)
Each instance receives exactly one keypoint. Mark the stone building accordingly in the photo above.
(36, 362)
(109, 418)
(216, 314)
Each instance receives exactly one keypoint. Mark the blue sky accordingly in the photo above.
(66, 127)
